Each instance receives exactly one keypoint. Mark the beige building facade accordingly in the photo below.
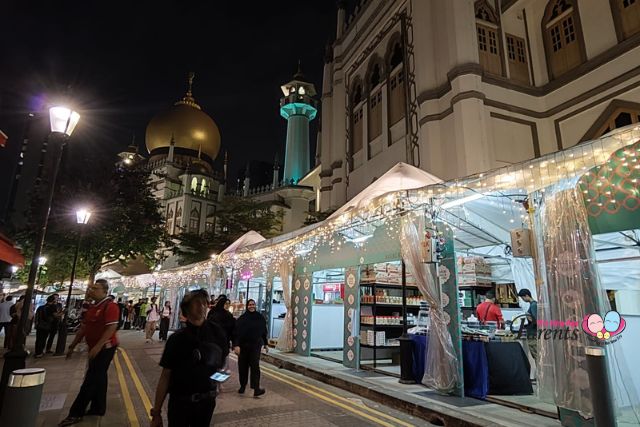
(458, 87)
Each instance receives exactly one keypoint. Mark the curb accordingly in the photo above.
(434, 414)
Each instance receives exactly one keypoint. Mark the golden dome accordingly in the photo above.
(187, 124)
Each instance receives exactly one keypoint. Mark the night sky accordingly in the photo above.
(120, 64)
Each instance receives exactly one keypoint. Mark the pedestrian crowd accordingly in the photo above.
(195, 360)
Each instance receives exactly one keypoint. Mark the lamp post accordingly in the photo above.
(82, 219)
(42, 262)
(63, 121)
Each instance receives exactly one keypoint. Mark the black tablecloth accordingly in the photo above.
(509, 369)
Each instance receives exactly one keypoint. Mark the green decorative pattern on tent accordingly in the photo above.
(301, 304)
(611, 194)
(351, 348)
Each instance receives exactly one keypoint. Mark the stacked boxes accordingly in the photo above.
(377, 338)
(473, 271)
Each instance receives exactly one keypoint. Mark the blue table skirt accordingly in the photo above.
(475, 365)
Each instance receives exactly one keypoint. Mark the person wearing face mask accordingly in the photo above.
(249, 338)
(191, 356)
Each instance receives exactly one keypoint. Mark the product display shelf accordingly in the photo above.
(375, 302)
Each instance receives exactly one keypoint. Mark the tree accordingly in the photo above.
(126, 222)
(314, 217)
(236, 216)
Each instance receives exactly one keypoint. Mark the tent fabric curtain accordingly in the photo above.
(441, 365)
(570, 290)
(523, 275)
(285, 339)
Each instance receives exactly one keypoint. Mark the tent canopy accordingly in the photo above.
(247, 239)
(400, 177)
(8, 253)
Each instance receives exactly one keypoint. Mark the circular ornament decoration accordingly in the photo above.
(350, 341)
(269, 286)
(350, 355)
(350, 313)
(295, 332)
(304, 345)
(351, 300)
(361, 260)
(297, 285)
(306, 299)
(444, 298)
(304, 323)
(351, 280)
(304, 270)
(446, 317)
(307, 284)
(295, 343)
(297, 299)
(304, 334)
(444, 274)
(295, 311)
(295, 321)
(305, 311)
(349, 327)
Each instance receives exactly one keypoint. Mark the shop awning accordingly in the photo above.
(8, 252)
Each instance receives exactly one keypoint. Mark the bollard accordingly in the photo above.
(22, 397)
(600, 387)
(406, 360)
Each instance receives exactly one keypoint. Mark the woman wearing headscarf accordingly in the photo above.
(249, 339)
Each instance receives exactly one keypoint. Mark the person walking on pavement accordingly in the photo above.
(45, 322)
(99, 328)
(532, 326)
(57, 318)
(143, 314)
(249, 338)
(220, 314)
(153, 315)
(5, 319)
(191, 356)
(165, 319)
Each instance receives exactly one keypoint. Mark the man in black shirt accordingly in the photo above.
(532, 326)
(190, 357)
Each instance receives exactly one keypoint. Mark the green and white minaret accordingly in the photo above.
(298, 107)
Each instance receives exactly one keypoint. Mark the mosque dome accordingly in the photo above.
(190, 127)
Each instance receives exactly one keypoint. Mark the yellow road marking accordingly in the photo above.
(336, 396)
(131, 413)
(330, 401)
(136, 380)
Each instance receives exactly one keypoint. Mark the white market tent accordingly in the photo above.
(247, 239)
(400, 177)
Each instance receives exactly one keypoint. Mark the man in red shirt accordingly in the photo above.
(489, 311)
(99, 330)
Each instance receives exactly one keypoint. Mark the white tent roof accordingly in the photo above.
(247, 239)
(400, 177)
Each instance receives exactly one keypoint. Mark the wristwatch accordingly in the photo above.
(155, 412)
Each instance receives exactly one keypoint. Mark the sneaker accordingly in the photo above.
(70, 421)
(241, 391)
(259, 392)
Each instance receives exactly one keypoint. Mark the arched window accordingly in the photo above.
(194, 221)
(178, 224)
(617, 114)
(194, 184)
(626, 15)
(488, 40)
(375, 102)
(562, 37)
(396, 103)
(356, 118)
(517, 59)
(203, 187)
(170, 220)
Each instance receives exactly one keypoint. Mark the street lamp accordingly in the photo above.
(42, 261)
(82, 218)
(63, 121)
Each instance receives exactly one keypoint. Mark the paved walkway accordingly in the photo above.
(291, 400)
(414, 399)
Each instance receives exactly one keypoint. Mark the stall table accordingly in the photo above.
(499, 368)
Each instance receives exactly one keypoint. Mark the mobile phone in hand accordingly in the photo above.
(220, 377)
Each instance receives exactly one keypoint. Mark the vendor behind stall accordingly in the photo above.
(532, 318)
(489, 311)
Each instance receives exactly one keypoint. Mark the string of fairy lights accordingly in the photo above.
(504, 189)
